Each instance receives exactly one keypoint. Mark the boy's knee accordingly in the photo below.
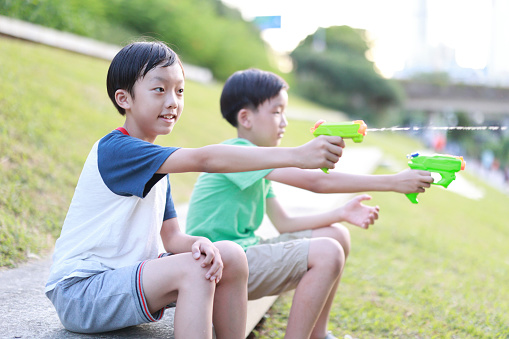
(234, 258)
(191, 270)
(328, 254)
(342, 235)
(337, 232)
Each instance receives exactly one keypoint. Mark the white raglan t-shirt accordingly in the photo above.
(117, 210)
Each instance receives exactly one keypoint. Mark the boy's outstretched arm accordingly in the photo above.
(406, 181)
(353, 212)
(324, 151)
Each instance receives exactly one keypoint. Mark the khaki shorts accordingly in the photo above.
(277, 264)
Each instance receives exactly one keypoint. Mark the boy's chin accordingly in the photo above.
(166, 131)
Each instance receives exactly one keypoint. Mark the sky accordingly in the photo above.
(464, 25)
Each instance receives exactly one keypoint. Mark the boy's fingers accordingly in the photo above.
(209, 257)
(363, 197)
(213, 274)
(195, 250)
(335, 140)
(216, 271)
(426, 177)
(335, 149)
(332, 158)
(333, 154)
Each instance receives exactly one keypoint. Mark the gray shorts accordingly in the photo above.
(103, 302)
(277, 264)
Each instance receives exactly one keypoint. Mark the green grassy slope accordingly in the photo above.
(439, 269)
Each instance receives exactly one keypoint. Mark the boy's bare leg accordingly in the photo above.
(337, 232)
(181, 276)
(325, 263)
(230, 302)
(342, 235)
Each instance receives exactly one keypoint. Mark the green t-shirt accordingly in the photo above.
(229, 206)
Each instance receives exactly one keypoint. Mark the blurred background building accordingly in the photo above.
(428, 57)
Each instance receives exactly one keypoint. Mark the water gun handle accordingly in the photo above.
(447, 178)
(413, 197)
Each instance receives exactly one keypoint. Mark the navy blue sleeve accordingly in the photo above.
(128, 165)
(169, 211)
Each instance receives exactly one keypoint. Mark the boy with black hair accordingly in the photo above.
(106, 271)
(309, 255)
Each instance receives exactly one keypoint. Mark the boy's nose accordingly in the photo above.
(284, 121)
(171, 101)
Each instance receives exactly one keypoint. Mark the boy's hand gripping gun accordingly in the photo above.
(445, 165)
(355, 130)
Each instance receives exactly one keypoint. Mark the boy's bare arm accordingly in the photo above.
(321, 152)
(406, 181)
(353, 212)
(175, 241)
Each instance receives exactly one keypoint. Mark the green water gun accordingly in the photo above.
(355, 130)
(443, 164)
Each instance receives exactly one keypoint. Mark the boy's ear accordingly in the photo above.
(244, 118)
(122, 98)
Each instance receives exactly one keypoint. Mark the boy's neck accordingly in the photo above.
(135, 132)
(246, 136)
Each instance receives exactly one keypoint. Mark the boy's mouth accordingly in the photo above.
(169, 117)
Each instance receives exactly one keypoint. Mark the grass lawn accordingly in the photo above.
(439, 269)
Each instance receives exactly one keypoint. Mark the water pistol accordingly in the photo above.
(355, 130)
(443, 164)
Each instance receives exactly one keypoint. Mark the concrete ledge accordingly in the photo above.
(79, 44)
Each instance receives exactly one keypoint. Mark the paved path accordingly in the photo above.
(25, 312)
(79, 44)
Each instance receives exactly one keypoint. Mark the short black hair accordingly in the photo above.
(248, 89)
(133, 62)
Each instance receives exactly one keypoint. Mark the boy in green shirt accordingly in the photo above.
(309, 255)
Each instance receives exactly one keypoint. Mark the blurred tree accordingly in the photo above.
(204, 32)
(332, 68)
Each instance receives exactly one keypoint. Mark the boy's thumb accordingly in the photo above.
(196, 251)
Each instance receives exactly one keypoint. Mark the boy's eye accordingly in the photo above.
(159, 89)
(181, 91)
